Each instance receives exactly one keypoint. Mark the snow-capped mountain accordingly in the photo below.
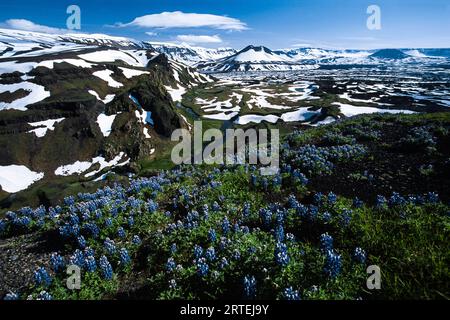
(9, 37)
(191, 55)
(254, 58)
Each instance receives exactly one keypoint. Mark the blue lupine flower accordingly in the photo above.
(291, 294)
(69, 201)
(279, 233)
(249, 287)
(281, 254)
(331, 197)
(173, 248)
(124, 257)
(318, 198)
(215, 206)
(170, 265)
(56, 262)
(172, 284)
(152, 206)
(224, 242)
(246, 209)
(302, 211)
(225, 225)
(396, 200)
(290, 237)
(300, 177)
(11, 296)
(357, 203)
(333, 264)
(3, 225)
(236, 254)
(110, 246)
(81, 242)
(266, 216)
(210, 254)
(346, 216)
(108, 222)
(41, 277)
(92, 228)
(77, 258)
(198, 251)
(44, 295)
(106, 268)
(130, 221)
(326, 241)
(89, 264)
(432, 197)
(292, 202)
(121, 232)
(202, 267)
(212, 236)
(360, 255)
(89, 252)
(136, 240)
(223, 263)
(326, 217)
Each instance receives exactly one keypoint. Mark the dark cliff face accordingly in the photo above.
(153, 98)
(78, 137)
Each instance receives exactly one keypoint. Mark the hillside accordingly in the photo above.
(366, 190)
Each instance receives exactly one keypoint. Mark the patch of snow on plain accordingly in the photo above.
(15, 178)
(349, 110)
(242, 120)
(221, 116)
(106, 76)
(301, 114)
(12, 66)
(44, 126)
(36, 93)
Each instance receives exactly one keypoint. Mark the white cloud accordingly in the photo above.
(190, 38)
(27, 25)
(151, 34)
(178, 19)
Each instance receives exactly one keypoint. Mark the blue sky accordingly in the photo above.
(237, 23)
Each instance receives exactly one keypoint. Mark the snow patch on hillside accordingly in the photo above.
(36, 93)
(105, 123)
(130, 73)
(79, 167)
(108, 98)
(44, 126)
(106, 76)
(15, 178)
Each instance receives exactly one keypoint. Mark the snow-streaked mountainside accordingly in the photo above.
(190, 55)
(82, 101)
(8, 37)
(254, 58)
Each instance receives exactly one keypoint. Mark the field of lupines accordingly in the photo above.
(203, 232)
